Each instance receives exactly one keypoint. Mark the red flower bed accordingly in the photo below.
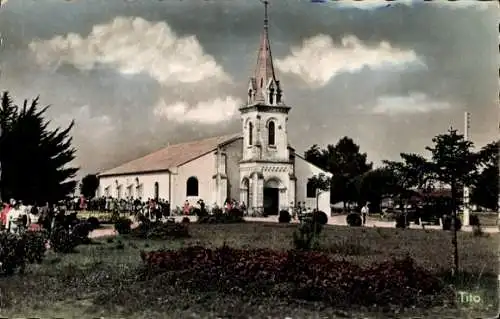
(299, 275)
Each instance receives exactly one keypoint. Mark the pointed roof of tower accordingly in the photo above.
(264, 70)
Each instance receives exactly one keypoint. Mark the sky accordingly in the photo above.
(136, 75)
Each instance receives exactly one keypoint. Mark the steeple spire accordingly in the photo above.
(264, 70)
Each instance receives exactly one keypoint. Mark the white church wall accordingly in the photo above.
(303, 171)
(280, 149)
(203, 168)
(145, 181)
(233, 157)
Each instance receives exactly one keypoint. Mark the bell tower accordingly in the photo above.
(267, 167)
(264, 116)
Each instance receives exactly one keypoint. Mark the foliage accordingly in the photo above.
(62, 241)
(306, 236)
(89, 185)
(474, 220)
(81, 232)
(159, 230)
(35, 246)
(354, 220)
(123, 225)
(284, 217)
(94, 223)
(345, 162)
(220, 218)
(449, 225)
(401, 221)
(12, 253)
(186, 220)
(485, 189)
(292, 275)
(319, 217)
(30, 151)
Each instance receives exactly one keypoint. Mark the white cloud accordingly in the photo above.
(319, 59)
(132, 46)
(375, 4)
(414, 103)
(205, 112)
(92, 127)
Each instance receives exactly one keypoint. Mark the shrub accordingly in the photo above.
(12, 253)
(35, 246)
(186, 220)
(123, 226)
(448, 223)
(235, 212)
(306, 236)
(217, 211)
(284, 217)
(401, 221)
(474, 220)
(195, 211)
(320, 217)
(81, 233)
(158, 230)
(62, 241)
(354, 220)
(94, 222)
(310, 276)
(221, 219)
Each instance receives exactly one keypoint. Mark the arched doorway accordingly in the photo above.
(245, 191)
(157, 190)
(272, 196)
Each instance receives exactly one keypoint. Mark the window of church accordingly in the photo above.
(310, 190)
(261, 82)
(192, 186)
(271, 133)
(250, 133)
(157, 190)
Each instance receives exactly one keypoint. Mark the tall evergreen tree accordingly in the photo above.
(34, 158)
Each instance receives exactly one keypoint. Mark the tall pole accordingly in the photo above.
(466, 199)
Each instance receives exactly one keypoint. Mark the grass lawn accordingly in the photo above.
(100, 279)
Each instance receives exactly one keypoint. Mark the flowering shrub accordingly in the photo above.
(12, 253)
(62, 241)
(81, 232)
(299, 275)
(35, 246)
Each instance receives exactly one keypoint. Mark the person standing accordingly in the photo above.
(364, 212)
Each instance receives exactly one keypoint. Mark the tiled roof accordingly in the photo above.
(171, 156)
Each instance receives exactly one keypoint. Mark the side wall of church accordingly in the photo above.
(203, 169)
(303, 171)
(141, 185)
(233, 157)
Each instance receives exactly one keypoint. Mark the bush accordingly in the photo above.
(474, 220)
(235, 212)
(158, 230)
(186, 220)
(35, 246)
(94, 223)
(401, 221)
(354, 220)
(306, 236)
(123, 226)
(221, 219)
(62, 241)
(320, 217)
(12, 253)
(284, 217)
(448, 223)
(310, 276)
(81, 233)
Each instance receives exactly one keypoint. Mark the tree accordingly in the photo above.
(454, 164)
(89, 185)
(34, 159)
(485, 188)
(376, 185)
(345, 162)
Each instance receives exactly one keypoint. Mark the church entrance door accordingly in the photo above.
(271, 200)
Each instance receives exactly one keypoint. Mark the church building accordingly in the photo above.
(257, 166)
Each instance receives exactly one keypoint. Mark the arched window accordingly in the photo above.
(261, 82)
(310, 190)
(271, 132)
(192, 186)
(271, 96)
(250, 133)
(157, 190)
